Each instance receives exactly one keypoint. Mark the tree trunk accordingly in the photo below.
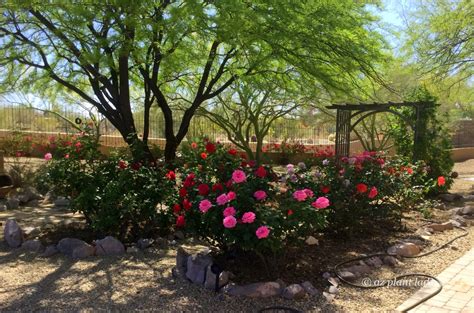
(170, 149)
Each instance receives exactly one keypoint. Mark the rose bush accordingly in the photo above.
(236, 204)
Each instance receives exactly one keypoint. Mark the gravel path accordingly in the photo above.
(144, 282)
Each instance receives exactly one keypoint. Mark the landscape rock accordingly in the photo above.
(326, 275)
(196, 268)
(132, 250)
(50, 251)
(28, 194)
(374, 261)
(309, 288)
(62, 202)
(75, 248)
(256, 290)
(211, 277)
(333, 281)
(293, 292)
(311, 241)
(109, 246)
(358, 270)
(13, 203)
(390, 260)
(144, 243)
(333, 290)
(440, 227)
(3, 207)
(49, 197)
(346, 275)
(182, 260)
(13, 234)
(407, 249)
(467, 210)
(179, 235)
(450, 197)
(329, 297)
(33, 245)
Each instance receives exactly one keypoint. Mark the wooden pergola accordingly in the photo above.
(346, 112)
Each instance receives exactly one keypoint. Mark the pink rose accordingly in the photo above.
(309, 193)
(222, 199)
(300, 195)
(229, 221)
(205, 205)
(248, 217)
(321, 203)
(260, 195)
(373, 193)
(262, 232)
(66, 156)
(231, 195)
(48, 156)
(238, 176)
(229, 211)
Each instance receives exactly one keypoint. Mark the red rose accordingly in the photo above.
(203, 189)
(183, 192)
(261, 172)
(441, 181)
(122, 164)
(176, 208)
(210, 147)
(189, 181)
(171, 175)
(232, 151)
(325, 189)
(204, 155)
(187, 204)
(217, 187)
(361, 188)
(136, 166)
(290, 212)
(180, 221)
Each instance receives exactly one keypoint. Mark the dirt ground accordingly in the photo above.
(143, 281)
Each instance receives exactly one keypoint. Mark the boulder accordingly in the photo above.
(450, 197)
(13, 203)
(406, 249)
(293, 292)
(333, 290)
(390, 260)
(13, 234)
(459, 221)
(328, 296)
(311, 241)
(256, 290)
(31, 232)
(33, 245)
(62, 202)
(211, 277)
(346, 275)
(179, 235)
(50, 251)
(132, 250)
(182, 260)
(309, 288)
(374, 261)
(440, 227)
(333, 281)
(196, 268)
(3, 207)
(28, 194)
(109, 246)
(75, 248)
(467, 210)
(144, 243)
(49, 197)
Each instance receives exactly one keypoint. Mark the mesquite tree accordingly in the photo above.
(180, 54)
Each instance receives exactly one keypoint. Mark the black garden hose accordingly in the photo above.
(386, 282)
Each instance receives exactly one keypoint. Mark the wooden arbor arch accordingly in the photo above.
(346, 112)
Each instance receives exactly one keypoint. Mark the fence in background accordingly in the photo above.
(28, 120)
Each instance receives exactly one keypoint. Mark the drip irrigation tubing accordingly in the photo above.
(385, 282)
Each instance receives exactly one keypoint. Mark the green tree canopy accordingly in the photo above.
(181, 53)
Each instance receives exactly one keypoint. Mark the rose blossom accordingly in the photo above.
(361, 188)
(48, 156)
(290, 168)
(262, 232)
(325, 162)
(441, 181)
(231, 195)
(229, 211)
(260, 195)
(261, 172)
(180, 221)
(203, 189)
(373, 193)
(229, 221)
(308, 192)
(248, 217)
(238, 176)
(205, 205)
(321, 203)
(222, 199)
(300, 195)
